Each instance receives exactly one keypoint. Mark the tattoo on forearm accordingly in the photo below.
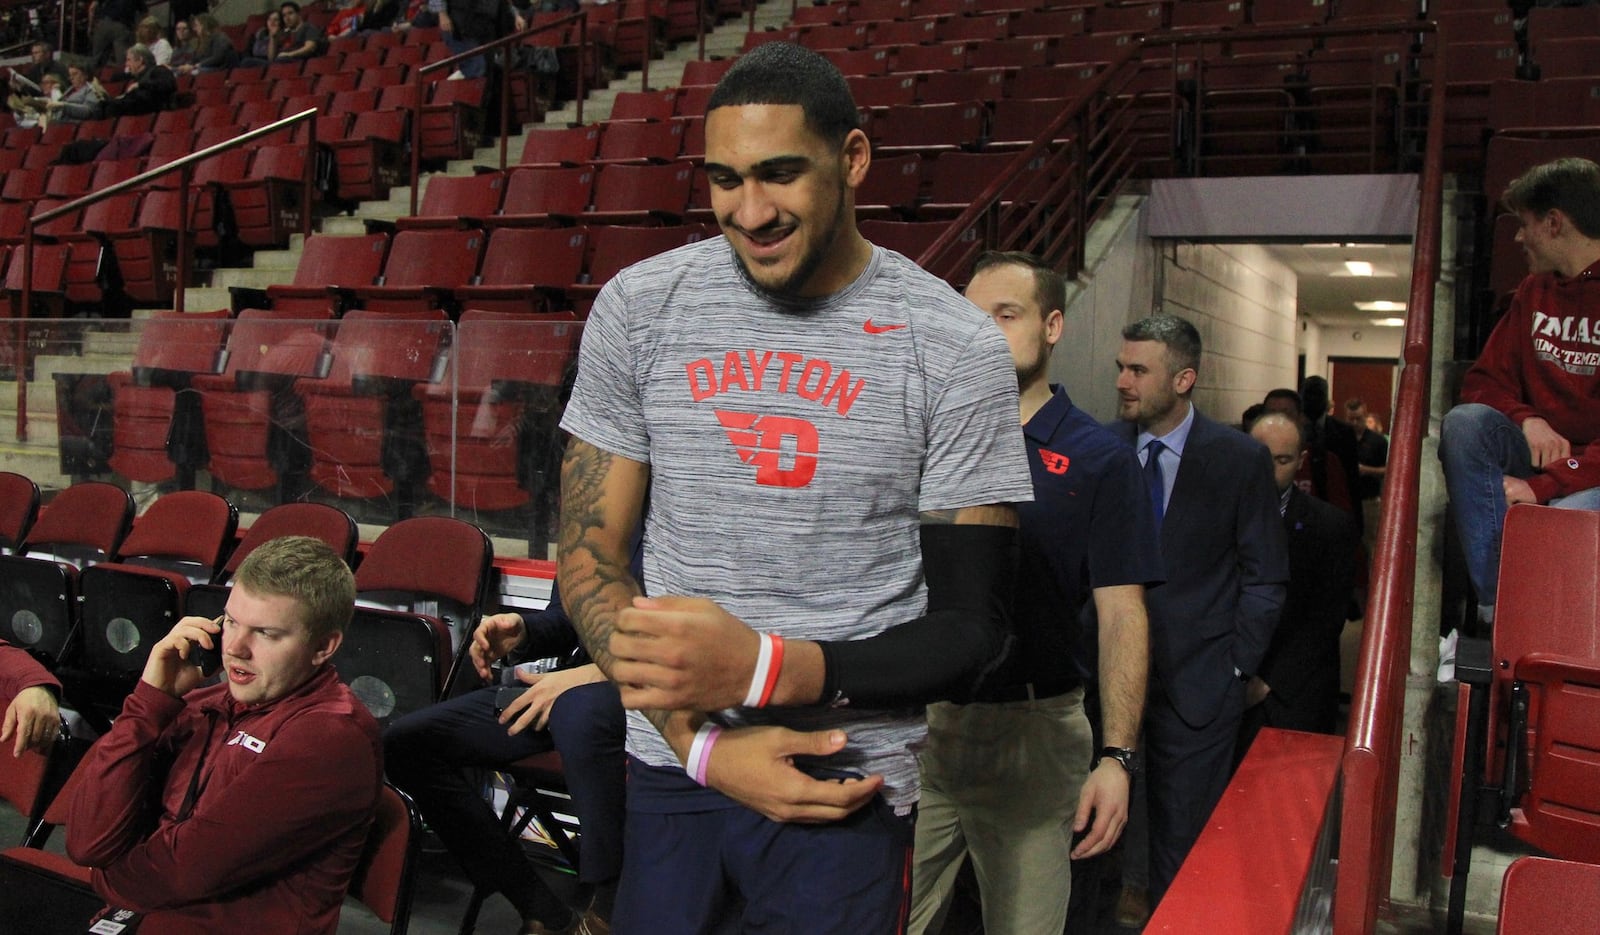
(595, 584)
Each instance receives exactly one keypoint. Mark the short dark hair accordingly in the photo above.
(42, 44)
(1354, 403)
(1570, 184)
(1283, 392)
(1314, 397)
(785, 73)
(1049, 288)
(1181, 339)
(290, 4)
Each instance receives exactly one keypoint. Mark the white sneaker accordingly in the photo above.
(1447, 656)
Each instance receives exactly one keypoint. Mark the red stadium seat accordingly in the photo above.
(546, 195)
(525, 270)
(422, 269)
(630, 194)
(570, 146)
(640, 141)
(156, 418)
(327, 265)
(447, 199)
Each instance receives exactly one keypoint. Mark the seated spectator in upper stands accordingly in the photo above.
(1372, 449)
(149, 34)
(242, 806)
(28, 110)
(299, 37)
(1527, 427)
(184, 47)
(575, 710)
(27, 80)
(471, 23)
(33, 718)
(1297, 686)
(347, 21)
(82, 101)
(151, 89)
(382, 14)
(420, 14)
(213, 49)
(113, 29)
(265, 39)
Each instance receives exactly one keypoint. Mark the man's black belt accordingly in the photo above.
(1026, 691)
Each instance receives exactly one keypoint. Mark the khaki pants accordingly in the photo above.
(1000, 782)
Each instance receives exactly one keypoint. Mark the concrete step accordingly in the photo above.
(207, 299)
(251, 278)
(278, 259)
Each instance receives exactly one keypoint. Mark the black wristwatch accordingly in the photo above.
(1123, 756)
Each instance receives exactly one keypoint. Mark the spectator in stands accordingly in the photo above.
(242, 806)
(1329, 438)
(184, 11)
(112, 33)
(33, 717)
(573, 710)
(185, 48)
(265, 39)
(28, 80)
(1088, 534)
(1372, 449)
(29, 110)
(213, 50)
(1527, 425)
(347, 21)
(1297, 686)
(471, 23)
(1223, 551)
(299, 37)
(151, 88)
(754, 779)
(150, 35)
(82, 101)
(1329, 481)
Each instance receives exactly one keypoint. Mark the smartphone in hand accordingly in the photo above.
(208, 661)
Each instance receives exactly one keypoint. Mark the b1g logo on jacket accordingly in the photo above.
(782, 449)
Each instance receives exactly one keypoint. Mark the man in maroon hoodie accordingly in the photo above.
(240, 807)
(1528, 427)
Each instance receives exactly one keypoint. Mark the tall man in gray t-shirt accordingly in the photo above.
(797, 404)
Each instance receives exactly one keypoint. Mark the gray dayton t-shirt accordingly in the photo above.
(791, 449)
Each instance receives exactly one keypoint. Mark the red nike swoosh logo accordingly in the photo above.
(871, 328)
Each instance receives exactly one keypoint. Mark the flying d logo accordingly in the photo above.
(768, 442)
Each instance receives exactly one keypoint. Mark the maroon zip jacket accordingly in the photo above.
(211, 816)
(1543, 359)
(18, 670)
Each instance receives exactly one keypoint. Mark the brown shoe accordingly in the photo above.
(535, 927)
(592, 924)
(1133, 907)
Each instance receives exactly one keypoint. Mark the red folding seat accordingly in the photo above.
(883, 90)
(892, 188)
(134, 124)
(928, 127)
(1143, 18)
(1546, 23)
(1020, 53)
(975, 84)
(983, 28)
(328, 265)
(612, 247)
(250, 91)
(14, 220)
(943, 56)
(692, 100)
(83, 524)
(525, 270)
(1065, 22)
(335, 82)
(329, 64)
(49, 284)
(61, 226)
(1095, 47)
(354, 102)
(371, 159)
(250, 413)
(1018, 121)
(69, 181)
(859, 61)
(19, 506)
(542, 196)
(59, 134)
(957, 179)
(645, 105)
(86, 281)
(146, 254)
(941, 7)
(401, 97)
(453, 119)
(11, 159)
(361, 422)
(267, 205)
(829, 14)
(1061, 81)
(1573, 57)
(24, 184)
(881, 10)
(448, 199)
(410, 56)
(845, 36)
(156, 419)
(422, 269)
(705, 71)
(381, 76)
(639, 141)
(506, 367)
(221, 115)
(641, 194)
(570, 146)
(895, 33)
(253, 115)
(41, 155)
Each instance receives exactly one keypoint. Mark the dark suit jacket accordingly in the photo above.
(1302, 663)
(1223, 547)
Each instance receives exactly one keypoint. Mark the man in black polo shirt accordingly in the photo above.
(1010, 777)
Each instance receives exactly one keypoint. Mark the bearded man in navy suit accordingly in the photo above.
(1222, 543)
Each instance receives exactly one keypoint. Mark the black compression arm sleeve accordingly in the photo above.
(970, 571)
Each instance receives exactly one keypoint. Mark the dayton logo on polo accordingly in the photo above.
(783, 450)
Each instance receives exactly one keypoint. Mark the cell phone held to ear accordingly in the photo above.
(208, 661)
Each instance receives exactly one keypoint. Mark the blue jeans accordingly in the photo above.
(1479, 446)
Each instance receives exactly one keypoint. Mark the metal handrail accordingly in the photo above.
(183, 166)
(1371, 772)
(505, 86)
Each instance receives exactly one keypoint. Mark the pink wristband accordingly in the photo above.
(700, 752)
